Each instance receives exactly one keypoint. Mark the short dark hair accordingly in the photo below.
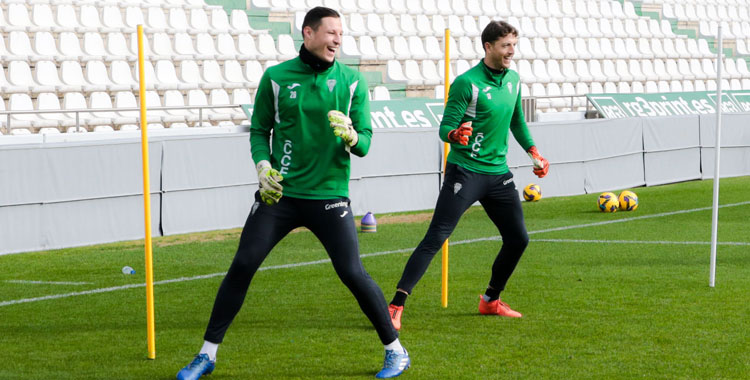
(314, 16)
(496, 30)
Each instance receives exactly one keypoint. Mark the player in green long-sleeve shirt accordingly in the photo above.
(310, 114)
(483, 109)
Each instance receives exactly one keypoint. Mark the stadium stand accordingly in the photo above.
(81, 55)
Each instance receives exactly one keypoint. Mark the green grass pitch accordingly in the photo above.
(622, 300)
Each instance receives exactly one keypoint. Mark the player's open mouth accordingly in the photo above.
(332, 50)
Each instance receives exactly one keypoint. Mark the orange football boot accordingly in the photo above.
(497, 307)
(395, 312)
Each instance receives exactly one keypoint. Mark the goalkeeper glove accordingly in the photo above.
(461, 134)
(342, 127)
(541, 165)
(268, 183)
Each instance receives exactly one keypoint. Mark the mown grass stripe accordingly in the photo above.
(295, 265)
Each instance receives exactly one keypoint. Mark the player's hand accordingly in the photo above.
(461, 134)
(269, 186)
(342, 127)
(541, 165)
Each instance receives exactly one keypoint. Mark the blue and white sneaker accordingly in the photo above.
(200, 366)
(394, 364)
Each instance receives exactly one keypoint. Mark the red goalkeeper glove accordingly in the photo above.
(461, 134)
(541, 165)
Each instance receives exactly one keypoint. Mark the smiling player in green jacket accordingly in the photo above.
(310, 114)
(483, 109)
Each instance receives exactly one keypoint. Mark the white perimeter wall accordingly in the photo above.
(55, 195)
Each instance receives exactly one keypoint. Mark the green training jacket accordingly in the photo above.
(492, 102)
(293, 101)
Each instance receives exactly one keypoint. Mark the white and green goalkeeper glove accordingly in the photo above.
(342, 127)
(268, 183)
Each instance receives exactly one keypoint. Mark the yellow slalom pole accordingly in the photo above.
(446, 150)
(150, 328)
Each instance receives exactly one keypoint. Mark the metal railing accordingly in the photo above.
(8, 113)
(530, 104)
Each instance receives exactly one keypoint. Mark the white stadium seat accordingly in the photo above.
(413, 73)
(198, 20)
(609, 69)
(607, 49)
(219, 22)
(111, 18)
(623, 71)
(219, 97)
(399, 7)
(401, 49)
(158, 116)
(127, 120)
(96, 74)
(49, 101)
(204, 46)
(241, 96)
(623, 88)
(637, 87)
(233, 75)
(636, 72)
(367, 48)
(391, 25)
(661, 70)
(45, 73)
(553, 69)
(581, 49)
(675, 86)
(253, 71)
(239, 23)
(356, 23)
(174, 98)
(41, 17)
(684, 70)
(582, 71)
(381, 93)
(697, 69)
(394, 72)
(349, 47)
(687, 86)
(596, 71)
(383, 47)
(647, 68)
(166, 77)
(23, 102)
(198, 98)
(593, 47)
(540, 71)
(407, 26)
(430, 72)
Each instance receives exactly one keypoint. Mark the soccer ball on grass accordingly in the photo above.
(608, 202)
(532, 192)
(628, 201)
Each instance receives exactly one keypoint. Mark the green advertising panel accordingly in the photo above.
(402, 113)
(613, 106)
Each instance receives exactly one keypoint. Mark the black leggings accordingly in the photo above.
(461, 188)
(332, 222)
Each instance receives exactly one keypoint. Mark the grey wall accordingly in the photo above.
(64, 194)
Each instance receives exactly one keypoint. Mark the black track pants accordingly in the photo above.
(332, 223)
(461, 188)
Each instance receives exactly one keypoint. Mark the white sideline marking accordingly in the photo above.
(740, 243)
(295, 265)
(47, 282)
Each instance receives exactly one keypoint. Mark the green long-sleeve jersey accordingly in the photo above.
(293, 102)
(492, 102)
